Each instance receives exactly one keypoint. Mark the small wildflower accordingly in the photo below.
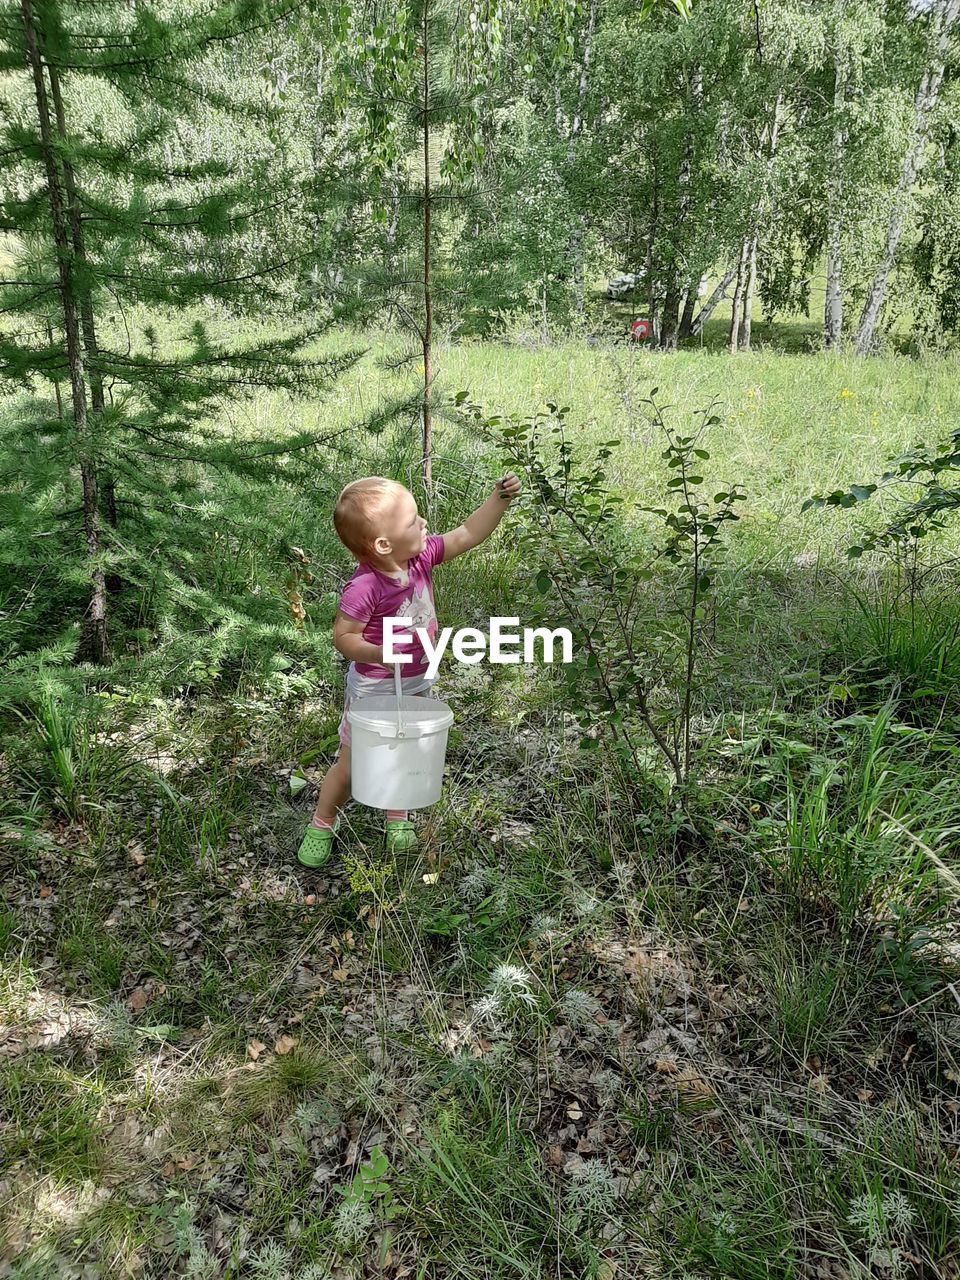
(592, 1187)
(542, 926)
(509, 980)
(578, 1007)
(185, 1235)
(584, 903)
(352, 1223)
(117, 1028)
(271, 1262)
(474, 885)
(877, 1216)
(372, 1086)
(889, 1262)
(724, 1222)
(608, 1086)
(487, 1010)
(502, 897)
(846, 393)
(202, 1264)
(897, 1212)
(307, 1117)
(623, 872)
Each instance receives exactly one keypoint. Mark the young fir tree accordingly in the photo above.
(119, 209)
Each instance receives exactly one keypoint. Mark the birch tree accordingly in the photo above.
(942, 17)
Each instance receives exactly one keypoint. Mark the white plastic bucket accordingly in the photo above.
(397, 750)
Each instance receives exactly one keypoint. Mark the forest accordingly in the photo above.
(650, 309)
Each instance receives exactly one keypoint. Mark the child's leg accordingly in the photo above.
(334, 790)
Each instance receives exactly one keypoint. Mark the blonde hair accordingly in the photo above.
(358, 507)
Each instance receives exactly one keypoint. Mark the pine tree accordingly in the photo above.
(116, 217)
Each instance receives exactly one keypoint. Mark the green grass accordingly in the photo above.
(738, 1019)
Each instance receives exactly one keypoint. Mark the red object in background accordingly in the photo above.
(640, 330)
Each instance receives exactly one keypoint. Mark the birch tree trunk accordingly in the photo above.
(650, 263)
(671, 314)
(747, 322)
(686, 315)
(833, 298)
(747, 270)
(93, 645)
(943, 18)
(578, 238)
(674, 299)
(427, 439)
(733, 337)
(711, 304)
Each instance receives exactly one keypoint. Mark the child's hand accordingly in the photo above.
(509, 486)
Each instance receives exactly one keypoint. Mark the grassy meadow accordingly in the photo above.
(578, 1033)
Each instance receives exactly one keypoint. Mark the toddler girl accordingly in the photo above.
(378, 522)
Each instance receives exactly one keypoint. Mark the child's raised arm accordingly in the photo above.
(479, 526)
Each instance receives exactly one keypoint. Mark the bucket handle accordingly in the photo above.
(401, 728)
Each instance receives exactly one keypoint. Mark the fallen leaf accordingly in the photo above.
(255, 1048)
(137, 1000)
(555, 1156)
(339, 974)
(45, 891)
(310, 900)
(188, 1162)
(285, 1045)
(665, 1066)
(574, 1112)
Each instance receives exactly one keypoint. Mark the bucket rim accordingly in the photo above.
(384, 715)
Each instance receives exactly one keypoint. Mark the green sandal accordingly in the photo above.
(317, 845)
(401, 837)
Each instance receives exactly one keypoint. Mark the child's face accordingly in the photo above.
(403, 531)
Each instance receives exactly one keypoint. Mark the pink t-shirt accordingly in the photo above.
(370, 596)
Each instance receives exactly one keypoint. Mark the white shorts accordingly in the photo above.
(359, 686)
